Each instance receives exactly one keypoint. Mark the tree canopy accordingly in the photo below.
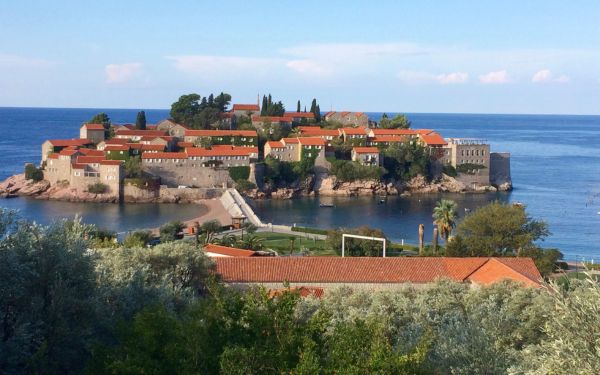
(140, 121)
(398, 122)
(199, 112)
(271, 108)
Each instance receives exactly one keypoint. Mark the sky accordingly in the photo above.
(396, 56)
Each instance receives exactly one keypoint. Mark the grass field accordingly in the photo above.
(283, 245)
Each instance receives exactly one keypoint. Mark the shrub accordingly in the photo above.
(97, 188)
(350, 171)
(33, 173)
(449, 170)
(244, 185)
(139, 238)
(469, 168)
(239, 173)
(309, 230)
(170, 231)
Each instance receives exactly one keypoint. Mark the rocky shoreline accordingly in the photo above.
(330, 186)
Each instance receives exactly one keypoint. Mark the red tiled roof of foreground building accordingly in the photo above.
(89, 159)
(393, 132)
(376, 270)
(246, 107)
(116, 148)
(423, 131)
(228, 251)
(354, 131)
(311, 141)
(366, 150)
(275, 144)
(91, 152)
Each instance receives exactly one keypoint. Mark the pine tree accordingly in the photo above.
(318, 113)
(211, 100)
(313, 105)
(304, 109)
(140, 121)
(298, 106)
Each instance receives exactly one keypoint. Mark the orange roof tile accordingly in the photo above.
(94, 126)
(69, 142)
(246, 107)
(153, 147)
(53, 155)
(423, 131)
(91, 152)
(299, 114)
(116, 141)
(366, 150)
(354, 131)
(185, 144)
(290, 140)
(372, 270)
(433, 139)
(311, 141)
(316, 131)
(228, 251)
(221, 150)
(89, 159)
(396, 132)
(275, 144)
(116, 148)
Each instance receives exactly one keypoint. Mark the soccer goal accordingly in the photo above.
(344, 236)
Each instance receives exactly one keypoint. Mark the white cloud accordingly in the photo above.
(417, 77)
(499, 77)
(121, 73)
(308, 67)
(546, 75)
(452, 78)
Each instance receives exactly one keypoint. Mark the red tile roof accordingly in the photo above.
(396, 132)
(228, 251)
(311, 141)
(423, 131)
(116, 141)
(53, 155)
(272, 119)
(299, 114)
(221, 150)
(89, 159)
(94, 126)
(221, 133)
(185, 144)
(153, 147)
(69, 142)
(375, 270)
(164, 155)
(111, 162)
(246, 107)
(290, 140)
(68, 152)
(366, 150)
(433, 139)
(116, 148)
(91, 152)
(275, 144)
(316, 131)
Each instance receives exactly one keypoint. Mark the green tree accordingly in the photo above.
(298, 106)
(140, 121)
(210, 228)
(398, 122)
(170, 231)
(100, 118)
(444, 216)
(139, 238)
(33, 173)
(499, 229)
(133, 167)
(251, 242)
(407, 160)
(357, 247)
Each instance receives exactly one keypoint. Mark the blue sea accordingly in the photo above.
(555, 172)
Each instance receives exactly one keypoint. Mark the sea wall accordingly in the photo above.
(165, 194)
(500, 170)
(174, 175)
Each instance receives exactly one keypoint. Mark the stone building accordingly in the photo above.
(293, 149)
(56, 145)
(245, 110)
(171, 128)
(469, 152)
(348, 118)
(366, 156)
(260, 121)
(354, 135)
(93, 132)
(136, 135)
(247, 138)
(300, 116)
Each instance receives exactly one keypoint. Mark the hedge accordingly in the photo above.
(239, 173)
(309, 230)
(97, 188)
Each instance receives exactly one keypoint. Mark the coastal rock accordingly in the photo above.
(506, 186)
(19, 185)
(330, 186)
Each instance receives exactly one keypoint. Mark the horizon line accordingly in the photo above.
(394, 112)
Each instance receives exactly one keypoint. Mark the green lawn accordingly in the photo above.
(282, 244)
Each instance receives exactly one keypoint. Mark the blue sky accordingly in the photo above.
(422, 56)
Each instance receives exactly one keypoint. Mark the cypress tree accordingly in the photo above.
(140, 121)
(263, 109)
(313, 105)
(318, 113)
(298, 106)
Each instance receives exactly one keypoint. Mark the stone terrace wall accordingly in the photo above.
(500, 168)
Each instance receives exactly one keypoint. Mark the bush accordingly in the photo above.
(449, 170)
(350, 171)
(244, 185)
(97, 188)
(139, 238)
(239, 173)
(33, 173)
(147, 183)
(170, 231)
(309, 230)
(469, 168)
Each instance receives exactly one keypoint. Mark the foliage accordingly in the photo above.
(101, 238)
(316, 110)
(199, 112)
(97, 188)
(210, 228)
(170, 231)
(239, 173)
(444, 216)
(140, 121)
(308, 230)
(573, 334)
(499, 229)
(139, 238)
(469, 168)
(33, 173)
(406, 160)
(251, 242)
(279, 172)
(449, 170)
(133, 167)
(244, 185)
(100, 118)
(398, 122)
(354, 246)
(271, 108)
(346, 170)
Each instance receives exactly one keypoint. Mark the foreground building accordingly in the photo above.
(373, 273)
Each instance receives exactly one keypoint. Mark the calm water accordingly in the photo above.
(555, 170)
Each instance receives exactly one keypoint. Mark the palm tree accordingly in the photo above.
(292, 240)
(252, 242)
(445, 215)
(434, 241)
(421, 237)
(225, 240)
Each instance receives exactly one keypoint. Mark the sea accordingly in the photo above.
(555, 164)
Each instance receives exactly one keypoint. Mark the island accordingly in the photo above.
(261, 150)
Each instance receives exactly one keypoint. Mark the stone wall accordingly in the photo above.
(189, 174)
(500, 168)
